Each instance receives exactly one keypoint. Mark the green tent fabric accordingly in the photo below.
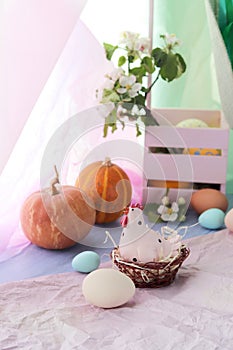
(200, 87)
(223, 10)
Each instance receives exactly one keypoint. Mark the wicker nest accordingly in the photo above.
(151, 274)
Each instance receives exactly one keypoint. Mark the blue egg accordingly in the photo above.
(212, 219)
(86, 261)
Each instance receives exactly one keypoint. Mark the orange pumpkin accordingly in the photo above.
(57, 218)
(109, 187)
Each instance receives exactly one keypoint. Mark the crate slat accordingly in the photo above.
(199, 169)
(210, 169)
(166, 136)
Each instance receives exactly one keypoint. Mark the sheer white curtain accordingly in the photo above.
(49, 74)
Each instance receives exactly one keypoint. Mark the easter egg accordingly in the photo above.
(208, 198)
(212, 219)
(86, 262)
(229, 220)
(107, 288)
(192, 123)
(203, 151)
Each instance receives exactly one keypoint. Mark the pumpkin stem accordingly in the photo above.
(54, 182)
(107, 161)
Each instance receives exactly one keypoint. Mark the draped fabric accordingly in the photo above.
(62, 85)
(204, 28)
(223, 10)
(198, 87)
(32, 36)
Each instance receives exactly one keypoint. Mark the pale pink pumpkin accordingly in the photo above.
(57, 218)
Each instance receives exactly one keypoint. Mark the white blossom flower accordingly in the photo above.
(169, 213)
(134, 42)
(128, 38)
(115, 74)
(128, 85)
(171, 39)
(142, 44)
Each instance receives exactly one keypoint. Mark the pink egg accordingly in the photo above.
(229, 220)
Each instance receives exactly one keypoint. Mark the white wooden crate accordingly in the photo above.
(184, 169)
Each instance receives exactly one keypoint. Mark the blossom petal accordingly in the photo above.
(133, 93)
(142, 111)
(175, 207)
(127, 81)
(165, 200)
(136, 87)
(116, 74)
(135, 110)
(173, 217)
(161, 209)
(108, 84)
(165, 217)
(181, 201)
(131, 80)
(121, 90)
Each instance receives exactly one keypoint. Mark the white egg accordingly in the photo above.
(107, 288)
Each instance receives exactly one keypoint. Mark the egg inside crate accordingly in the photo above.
(86, 261)
(107, 288)
(208, 198)
(203, 151)
(192, 123)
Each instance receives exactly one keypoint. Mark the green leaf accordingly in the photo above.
(181, 65)
(109, 50)
(111, 118)
(127, 105)
(114, 127)
(153, 217)
(121, 61)
(131, 58)
(159, 56)
(105, 130)
(148, 64)
(140, 100)
(139, 72)
(148, 119)
(169, 70)
(150, 207)
(122, 123)
(110, 96)
(138, 132)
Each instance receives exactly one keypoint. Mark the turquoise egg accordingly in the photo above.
(212, 219)
(86, 262)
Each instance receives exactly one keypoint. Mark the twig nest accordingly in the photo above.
(151, 274)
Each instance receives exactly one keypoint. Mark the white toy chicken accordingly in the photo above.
(139, 243)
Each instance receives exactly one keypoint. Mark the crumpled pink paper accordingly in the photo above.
(195, 312)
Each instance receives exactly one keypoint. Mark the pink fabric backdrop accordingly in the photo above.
(33, 34)
(62, 82)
